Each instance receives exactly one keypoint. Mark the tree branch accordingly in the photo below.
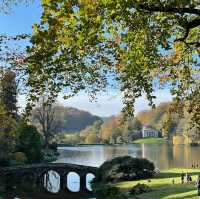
(190, 25)
(153, 8)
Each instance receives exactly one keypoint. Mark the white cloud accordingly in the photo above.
(161, 96)
(109, 103)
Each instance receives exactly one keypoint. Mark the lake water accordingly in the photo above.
(163, 155)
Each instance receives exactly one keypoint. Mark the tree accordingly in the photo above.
(166, 124)
(8, 136)
(8, 93)
(95, 128)
(92, 139)
(78, 44)
(45, 114)
(132, 129)
(30, 143)
(110, 130)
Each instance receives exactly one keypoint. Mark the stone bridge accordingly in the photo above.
(51, 178)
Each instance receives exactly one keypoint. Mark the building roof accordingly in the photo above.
(148, 127)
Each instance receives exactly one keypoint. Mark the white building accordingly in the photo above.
(148, 131)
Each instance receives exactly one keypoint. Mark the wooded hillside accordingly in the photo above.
(69, 119)
(161, 119)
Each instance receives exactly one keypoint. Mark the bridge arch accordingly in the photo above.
(89, 178)
(52, 181)
(73, 182)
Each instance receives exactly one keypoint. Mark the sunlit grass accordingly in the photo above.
(163, 188)
(149, 141)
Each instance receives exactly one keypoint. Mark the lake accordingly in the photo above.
(163, 155)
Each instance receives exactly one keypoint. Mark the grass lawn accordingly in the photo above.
(149, 141)
(162, 187)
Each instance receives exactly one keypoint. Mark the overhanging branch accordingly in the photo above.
(190, 25)
(153, 8)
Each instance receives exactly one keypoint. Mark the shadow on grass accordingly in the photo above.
(170, 192)
(174, 175)
(191, 196)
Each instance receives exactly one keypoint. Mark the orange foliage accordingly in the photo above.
(107, 127)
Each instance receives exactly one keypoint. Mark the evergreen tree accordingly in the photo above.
(8, 93)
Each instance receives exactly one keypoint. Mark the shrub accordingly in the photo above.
(53, 146)
(4, 162)
(139, 189)
(125, 168)
(49, 155)
(30, 143)
(18, 158)
(107, 192)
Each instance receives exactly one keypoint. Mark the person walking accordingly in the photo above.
(188, 177)
(198, 185)
(182, 177)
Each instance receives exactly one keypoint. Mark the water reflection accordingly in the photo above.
(163, 155)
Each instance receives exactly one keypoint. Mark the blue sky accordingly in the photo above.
(20, 21)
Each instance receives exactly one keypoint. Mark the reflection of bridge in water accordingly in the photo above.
(53, 178)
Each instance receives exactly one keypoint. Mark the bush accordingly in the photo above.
(125, 168)
(30, 143)
(49, 155)
(53, 146)
(139, 189)
(4, 162)
(107, 192)
(18, 158)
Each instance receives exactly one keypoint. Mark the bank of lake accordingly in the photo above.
(150, 141)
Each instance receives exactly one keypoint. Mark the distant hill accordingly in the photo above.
(76, 120)
(70, 119)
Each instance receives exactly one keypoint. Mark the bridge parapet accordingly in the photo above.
(41, 175)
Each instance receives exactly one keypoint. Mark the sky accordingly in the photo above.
(20, 20)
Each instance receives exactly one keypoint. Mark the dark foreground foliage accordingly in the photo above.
(30, 143)
(107, 192)
(139, 189)
(125, 168)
